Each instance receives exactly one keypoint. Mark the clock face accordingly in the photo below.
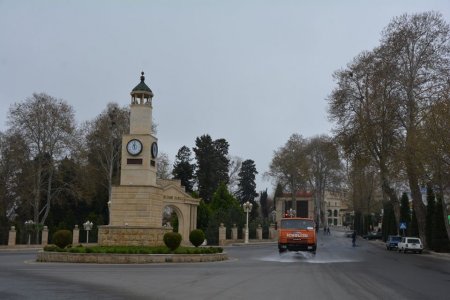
(154, 150)
(134, 147)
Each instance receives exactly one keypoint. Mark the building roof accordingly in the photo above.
(142, 87)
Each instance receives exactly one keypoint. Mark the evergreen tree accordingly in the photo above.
(212, 165)
(358, 225)
(183, 169)
(278, 194)
(203, 215)
(223, 200)
(431, 204)
(440, 241)
(389, 226)
(264, 205)
(405, 212)
(221, 160)
(224, 209)
(414, 228)
(247, 186)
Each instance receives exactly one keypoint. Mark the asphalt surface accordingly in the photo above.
(337, 271)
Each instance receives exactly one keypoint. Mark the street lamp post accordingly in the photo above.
(247, 208)
(87, 226)
(274, 216)
(292, 213)
(29, 227)
(109, 212)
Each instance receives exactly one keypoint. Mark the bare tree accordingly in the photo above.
(324, 170)
(364, 108)
(418, 48)
(104, 143)
(15, 180)
(163, 170)
(289, 165)
(384, 98)
(47, 127)
(233, 173)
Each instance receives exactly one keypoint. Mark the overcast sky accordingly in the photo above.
(251, 72)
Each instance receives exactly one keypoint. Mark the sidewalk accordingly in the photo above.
(5, 248)
(426, 251)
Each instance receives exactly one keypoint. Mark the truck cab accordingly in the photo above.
(297, 234)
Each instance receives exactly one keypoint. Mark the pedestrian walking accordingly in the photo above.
(328, 230)
(354, 239)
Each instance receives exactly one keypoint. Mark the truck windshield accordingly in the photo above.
(296, 224)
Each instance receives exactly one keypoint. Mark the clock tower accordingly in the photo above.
(140, 147)
(137, 205)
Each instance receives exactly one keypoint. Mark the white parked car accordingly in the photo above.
(413, 244)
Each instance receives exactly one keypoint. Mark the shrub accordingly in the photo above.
(172, 240)
(51, 248)
(62, 238)
(76, 250)
(196, 237)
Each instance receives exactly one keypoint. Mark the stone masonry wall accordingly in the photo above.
(131, 236)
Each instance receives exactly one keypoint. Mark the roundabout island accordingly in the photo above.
(136, 232)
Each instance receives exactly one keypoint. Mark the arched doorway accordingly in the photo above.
(173, 218)
(177, 201)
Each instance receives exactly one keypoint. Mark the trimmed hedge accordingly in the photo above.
(62, 238)
(196, 237)
(172, 240)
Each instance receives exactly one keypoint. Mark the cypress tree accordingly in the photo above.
(247, 186)
(278, 194)
(264, 204)
(405, 212)
(440, 241)
(389, 225)
(414, 228)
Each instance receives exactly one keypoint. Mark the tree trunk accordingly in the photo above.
(37, 195)
(49, 196)
(393, 199)
(317, 208)
(419, 207)
(411, 163)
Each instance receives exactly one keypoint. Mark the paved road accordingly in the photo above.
(337, 271)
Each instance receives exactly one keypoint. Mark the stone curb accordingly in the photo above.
(108, 258)
(426, 251)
